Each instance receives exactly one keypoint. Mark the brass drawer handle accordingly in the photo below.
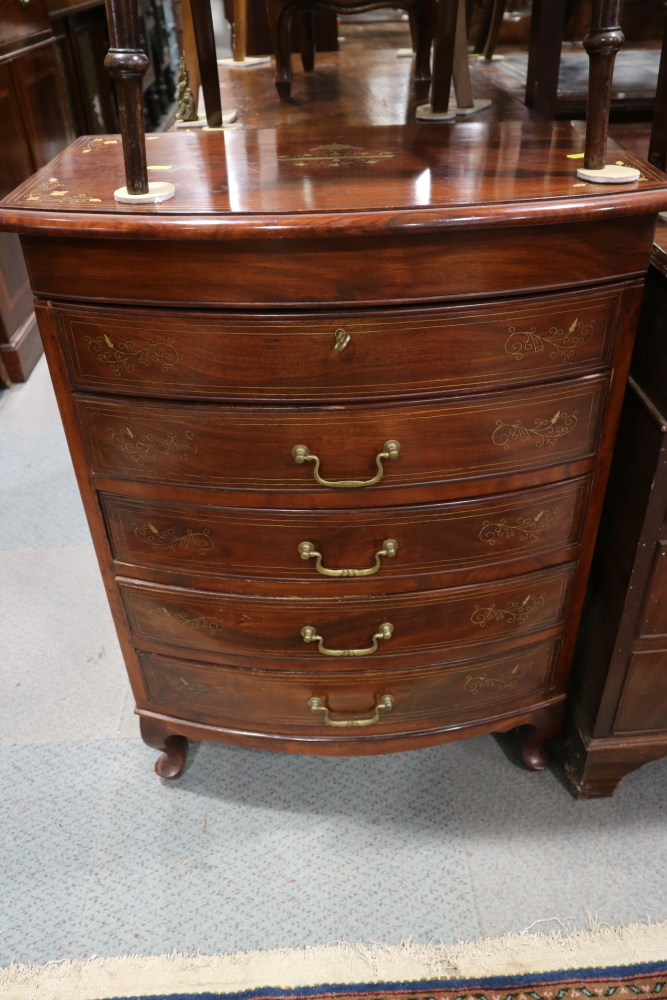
(386, 702)
(342, 338)
(310, 635)
(307, 551)
(301, 454)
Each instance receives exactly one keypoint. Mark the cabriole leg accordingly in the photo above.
(174, 749)
(545, 724)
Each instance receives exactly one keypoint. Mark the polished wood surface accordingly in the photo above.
(470, 416)
(313, 358)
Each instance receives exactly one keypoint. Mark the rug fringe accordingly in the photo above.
(286, 968)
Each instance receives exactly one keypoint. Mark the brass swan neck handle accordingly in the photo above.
(385, 703)
(390, 449)
(309, 634)
(307, 551)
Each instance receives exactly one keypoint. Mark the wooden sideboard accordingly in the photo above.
(35, 125)
(342, 413)
(619, 694)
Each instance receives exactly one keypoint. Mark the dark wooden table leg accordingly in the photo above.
(174, 749)
(657, 151)
(494, 29)
(279, 26)
(546, 723)
(547, 28)
(202, 23)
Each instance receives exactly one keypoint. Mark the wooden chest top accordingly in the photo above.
(336, 179)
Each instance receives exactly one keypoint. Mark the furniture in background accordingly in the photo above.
(258, 33)
(618, 700)
(35, 124)
(422, 15)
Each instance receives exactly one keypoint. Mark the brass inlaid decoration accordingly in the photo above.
(504, 682)
(528, 529)
(97, 143)
(338, 154)
(514, 612)
(192, 690)
(200, 623)
(52, 191)
(122, 355)
(146, 447)
(563, 343)
(542, 432)
(171, 538)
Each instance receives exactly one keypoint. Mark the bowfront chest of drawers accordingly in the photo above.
(341, 414)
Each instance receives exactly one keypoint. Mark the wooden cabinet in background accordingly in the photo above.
(35, 125)
(619, 695)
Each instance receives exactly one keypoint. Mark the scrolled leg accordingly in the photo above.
(307, 28)
(545, 724)
(174, 749)
(279, 25)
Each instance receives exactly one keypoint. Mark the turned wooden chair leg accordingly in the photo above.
(202, 23)
(307, 31)
(495, 25)
(174, 749)
(443, 56)
(657, 150)
(240, 30)
(480, 22)
(601, 43)
(127, 64)
(545, 724)
(279, 26)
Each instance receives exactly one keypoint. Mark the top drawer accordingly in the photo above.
(341, 355)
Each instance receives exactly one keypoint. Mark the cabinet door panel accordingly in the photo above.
(41, 94)
(15, 161)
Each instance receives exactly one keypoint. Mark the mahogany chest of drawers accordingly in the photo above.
(341, 413)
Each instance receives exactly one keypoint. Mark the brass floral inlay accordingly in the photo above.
(170, 538)
(193, 690)
(528, 529)
(53, 192)
(504, 682)
(146, 447)
(563, 343)
(200, 623)
(337, 154)
(514, 612)
(542, 432)
(97, 142)
(120, 356)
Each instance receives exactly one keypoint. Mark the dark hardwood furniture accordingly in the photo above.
(619, 685)
(343, 484)
(35, 124)
(280, 13)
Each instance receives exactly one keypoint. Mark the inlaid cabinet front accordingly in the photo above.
(343, 452)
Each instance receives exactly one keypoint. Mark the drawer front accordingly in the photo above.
(279, 701)
(418, 623)
(254, 449)
(337, 356)
(279, 545)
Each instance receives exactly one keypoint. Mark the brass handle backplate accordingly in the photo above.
(309, 634)
(301, 454)
(386, 702)
(307, 551)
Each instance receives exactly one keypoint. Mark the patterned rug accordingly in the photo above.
(473, 971)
